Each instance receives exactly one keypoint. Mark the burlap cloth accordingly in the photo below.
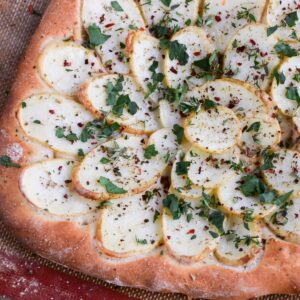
(18, 20)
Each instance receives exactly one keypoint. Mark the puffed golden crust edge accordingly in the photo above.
(69, 244)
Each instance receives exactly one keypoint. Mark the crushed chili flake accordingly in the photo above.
(52, 112)
(109, 25)
(67, 63)
(173, 70)
(197, 53)
(191, 231)
(218, 18)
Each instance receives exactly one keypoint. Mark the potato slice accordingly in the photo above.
(188, 238)
(94, 94)
(120, 168)
(115, 19)
(233, 201)
(285, 92)
(234, 94)
(145, 61)
(209, 171)
(198, 46)
(222, 19)
(47, 185)
(296, 119)
(66, 65)
(56, 121)
(214, 130)
(169, 114)
(131, 225)
(178, 13)
(284, 177)
(260, 131)
(285, 222)
(250, 56)
(239, 245)
(277, 12)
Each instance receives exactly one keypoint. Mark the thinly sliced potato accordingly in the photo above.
(276, 15)
(209, 171)
(188, 239)
(198, 47)
(56, 121)
(234, 94)
(66, 65)
(47, 185)
(233, 201)
(214, 130)
(115, 19)
(285, 92)
(260, 131)
(239, 245)
(178, 13)
(296, 119)
(250, 56)
(119, 168)
(222, 19)
(131, 225)
(285, 223)
(94, 94)
(284, 177)
(145, 62)
(169, 114)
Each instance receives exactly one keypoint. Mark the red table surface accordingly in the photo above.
(28, 280)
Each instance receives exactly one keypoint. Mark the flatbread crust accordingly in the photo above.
(71, 242)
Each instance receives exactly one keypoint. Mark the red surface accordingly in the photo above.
(22, 279)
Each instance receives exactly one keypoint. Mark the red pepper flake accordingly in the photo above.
(142, 29)
(240, 49)
(102, 18)
(218, 18)
(173, 70)
(218, 99)
(67, 63)
(80, 125)
(30, 9)
(168, 237)
(197, 53)
(60, 168)
(191, 231)
(252, 42)
(52, 112)
(109, 25)
(66, 196)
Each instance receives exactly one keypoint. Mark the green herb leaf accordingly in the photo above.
(285, 49)
(110, 187)
(177, 208)
(141, 242)
(80, 153)
(96, 37)
(217, 219)
(178, 131)
(182, 167)
(254, 127)
(293, 94)
(291, 19)
(104, 161)
(150, 152)
(283, 199)
(24, 104)
(7, 162)
(208, 104)
(271, 30)
(280, 77)
(116, 6)
(178, 51)
(156, 216)
(60, 133)
(166, 2)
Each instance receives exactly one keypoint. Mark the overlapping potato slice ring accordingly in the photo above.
(48, 186)
(214, 130)
(131, 225)
(66, 65)
(94, 95)
(284, 177)
(51, 118)
(282, 92)
(188, 240)
(233, 201)
(115, 23)
(222, 19)
(285, 222)
(122, 162)
(210, 170)
(198, 46)
(260, 131)
(169, 114)
(250, 56)
(239, 245)
(144, 52)
(276, 13)
(182, 185)
(236, 95)
(178, 12)
(296, 119)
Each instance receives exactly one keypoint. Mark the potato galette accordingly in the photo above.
(155, 144)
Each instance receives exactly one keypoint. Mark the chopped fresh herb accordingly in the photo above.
(178, 131)
(104, 161)
(166, 2)
(280, 77)
(254, 127)
(234, 43)
(252, 186)
(291, 19)
(283, 199)
(191, 105)
(293, 94)
(157, 78)
(193, 236)
(167, 157)
(156, 216)
(214, 234)
(141, 242)
(96, 37)
(71, 137)
(150, 151)
(208, 104)
(236, 166)
(110, 187)
(24, 104)
(246, 14)
(37, 122)
(116, 6)
(176, 207)
(296, 77)
(271, 30)
(178, 51)
(247, 240)
(7, 162)
(182, 167)
(60, 133)
(104, 204)
(248, 218)
(175, 95)
(285, 49)
(80, 153)
(217, 218)
(268, 157)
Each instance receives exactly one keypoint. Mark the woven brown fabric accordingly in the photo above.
(18, 20)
